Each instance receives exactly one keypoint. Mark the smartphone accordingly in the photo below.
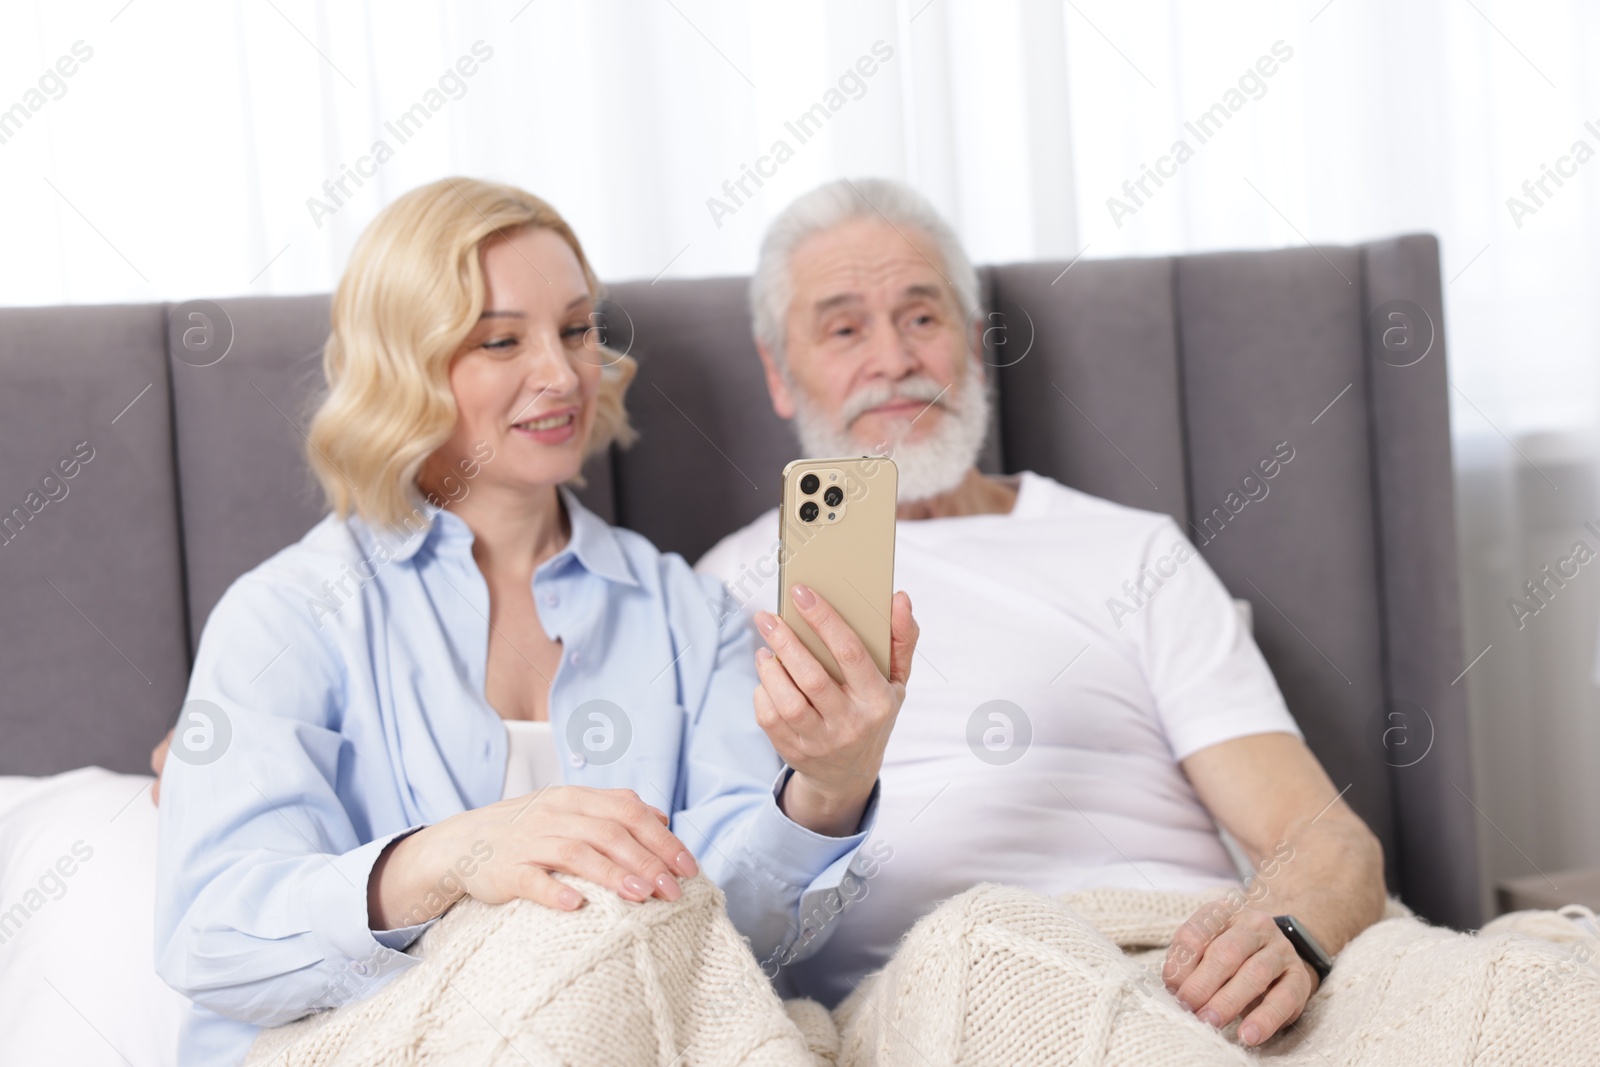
(837, 537)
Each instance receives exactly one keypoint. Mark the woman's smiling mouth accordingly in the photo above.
(551, 428)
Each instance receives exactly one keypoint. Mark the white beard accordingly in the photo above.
(933, 465)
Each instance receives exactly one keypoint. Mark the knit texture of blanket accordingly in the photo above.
(613, 983)
(1005, 976)
(997, 976)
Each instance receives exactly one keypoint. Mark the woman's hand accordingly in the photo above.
(158, 760)
(832, 734)
(507, 850)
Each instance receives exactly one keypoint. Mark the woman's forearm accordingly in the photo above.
(823, 813)
(409, 884)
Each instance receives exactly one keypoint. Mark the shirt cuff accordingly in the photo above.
(800, 856)
(402, 937)
(360, 959)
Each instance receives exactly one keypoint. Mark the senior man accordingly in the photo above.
(1146, 737)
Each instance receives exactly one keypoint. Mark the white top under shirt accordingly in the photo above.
(531, 759)
(1015, 607)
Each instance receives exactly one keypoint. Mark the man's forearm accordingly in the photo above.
(1328, 873)
(1314, 859)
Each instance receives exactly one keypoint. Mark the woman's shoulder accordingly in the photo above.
(626, 557)
(659, 571)
(278, 609)
(281, 593)
(706, 636)
(312, 560)
(650, 560)
(690, 602)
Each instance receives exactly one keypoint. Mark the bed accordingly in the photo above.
(1155, 382)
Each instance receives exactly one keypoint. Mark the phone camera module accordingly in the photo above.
(808, 510)
(808, 485)
(833, 497)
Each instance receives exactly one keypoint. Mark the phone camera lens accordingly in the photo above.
(833, 497)
(808, 485)
(808, 511)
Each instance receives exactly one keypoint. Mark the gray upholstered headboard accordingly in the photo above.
(1160, 383)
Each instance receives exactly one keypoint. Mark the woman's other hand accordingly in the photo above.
(158, 760)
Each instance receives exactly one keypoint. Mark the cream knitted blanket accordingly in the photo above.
(995, 976)
(1005, 976)
(613, 983)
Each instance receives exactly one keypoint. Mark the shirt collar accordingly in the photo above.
(594, 542)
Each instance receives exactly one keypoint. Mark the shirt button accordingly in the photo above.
(361, 968)
(574, 659)
(551, 600)
(576, 760)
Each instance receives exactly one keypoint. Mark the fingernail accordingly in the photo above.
(637, 886)
(1211, 1019)
(668, 886)
(1185, 1005)
(763, 654)
(687, 865)
(766, 621)
(803, 596)
(1250, 1033)
(569, 899)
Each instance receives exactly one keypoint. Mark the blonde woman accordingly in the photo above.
(461, 680)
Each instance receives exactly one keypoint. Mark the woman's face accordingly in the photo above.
(525, 379)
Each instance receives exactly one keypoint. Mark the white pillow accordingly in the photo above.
(77, 905)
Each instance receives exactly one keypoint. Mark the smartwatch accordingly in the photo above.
(1305, 945)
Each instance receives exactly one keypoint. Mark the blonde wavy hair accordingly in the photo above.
(411, 294)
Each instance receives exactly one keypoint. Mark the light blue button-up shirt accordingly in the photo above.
(337, 702)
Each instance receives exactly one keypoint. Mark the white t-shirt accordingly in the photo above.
(531, 758)
(1116, 685)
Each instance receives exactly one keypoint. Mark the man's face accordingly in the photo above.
(870, 311)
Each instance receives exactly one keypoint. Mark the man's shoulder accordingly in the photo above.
(746, 563)
(742, 547)
(1047, 500)
(1041, 500)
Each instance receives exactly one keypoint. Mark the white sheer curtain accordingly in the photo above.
(181, 157)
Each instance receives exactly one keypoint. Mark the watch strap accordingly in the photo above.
(1305, 945)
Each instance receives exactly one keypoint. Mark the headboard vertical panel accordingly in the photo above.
(1427, 753)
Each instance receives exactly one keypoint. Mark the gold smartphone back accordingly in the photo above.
(844, 550)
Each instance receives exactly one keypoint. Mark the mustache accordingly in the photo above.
(870, 396)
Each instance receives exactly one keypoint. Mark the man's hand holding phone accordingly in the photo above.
(832, 733)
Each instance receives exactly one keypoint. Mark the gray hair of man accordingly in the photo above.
(831, 205)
